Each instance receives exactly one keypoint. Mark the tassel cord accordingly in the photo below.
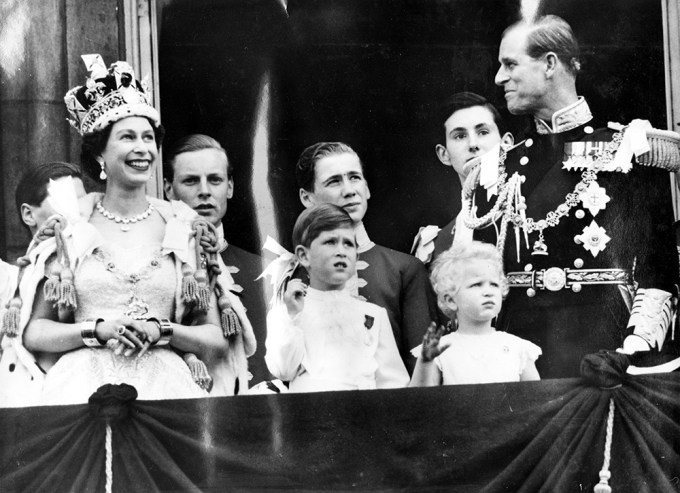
(605, 474)
(109, 459)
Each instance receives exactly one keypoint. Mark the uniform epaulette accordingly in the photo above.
(664, 150)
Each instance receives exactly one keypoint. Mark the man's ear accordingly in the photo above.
(307, 198)
(507, 140)
(230, 188)
(302, 255)
(27, 215)
(169, 192)
(442, 154)
(551, 62)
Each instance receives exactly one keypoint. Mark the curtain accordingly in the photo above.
(529, 436)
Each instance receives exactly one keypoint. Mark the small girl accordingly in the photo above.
(470, 285)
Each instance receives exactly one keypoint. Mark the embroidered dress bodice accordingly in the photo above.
(116, 281)
(111, 283)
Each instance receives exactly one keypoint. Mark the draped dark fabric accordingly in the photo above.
(531, 436)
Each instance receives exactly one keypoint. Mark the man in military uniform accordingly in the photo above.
(197, 171)
(586, 231)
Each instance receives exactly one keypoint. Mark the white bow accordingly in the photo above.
(279, 270)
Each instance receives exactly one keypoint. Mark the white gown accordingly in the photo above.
(109, 283)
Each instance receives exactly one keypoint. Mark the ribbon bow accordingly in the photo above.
(280, 270)
(634, 142)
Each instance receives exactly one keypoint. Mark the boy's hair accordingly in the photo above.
(190, 143)
(317, 219)
(446, 270)
(32, 188)
(305, 168)
(464, 100)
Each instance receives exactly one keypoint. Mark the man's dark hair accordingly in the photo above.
(317, 219)
(32, 188)
(464, 100)
(94, 143)
(551, 33)
(305, 168)
(190, 143)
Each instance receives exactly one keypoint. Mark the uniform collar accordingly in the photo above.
(363, 241)
(566, 119)
(222, 241)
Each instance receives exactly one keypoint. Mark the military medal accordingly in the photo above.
(540, 248)
(594, 238)
(594, 198)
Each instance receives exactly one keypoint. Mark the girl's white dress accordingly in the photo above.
(488, 358)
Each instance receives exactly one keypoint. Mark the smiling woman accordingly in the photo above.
(127, 318)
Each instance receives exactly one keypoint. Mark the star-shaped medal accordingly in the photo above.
(594, 198)
(594, 238)
(570, 164)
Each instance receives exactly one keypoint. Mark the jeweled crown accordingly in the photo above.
(108, 95)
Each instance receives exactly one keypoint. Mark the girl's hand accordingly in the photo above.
(432, 347)
(294, 297)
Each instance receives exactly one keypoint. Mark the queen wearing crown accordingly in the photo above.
(129, 289)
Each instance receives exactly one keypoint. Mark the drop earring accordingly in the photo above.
(102, 175)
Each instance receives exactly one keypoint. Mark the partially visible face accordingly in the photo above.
(339, 180)
(330, 259)
(470, 132)
(130, 152)
(201, 180)
(522, 77)
(35, 216)
(479, 297)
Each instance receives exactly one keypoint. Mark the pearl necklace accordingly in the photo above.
(124, 221)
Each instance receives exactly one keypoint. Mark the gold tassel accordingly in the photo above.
(189, 284)
(52, 285)
(199, 372)
(231, 324)
(67, 291)
(203, 290)
(10, 320)
(605, 474)
(603, 485)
